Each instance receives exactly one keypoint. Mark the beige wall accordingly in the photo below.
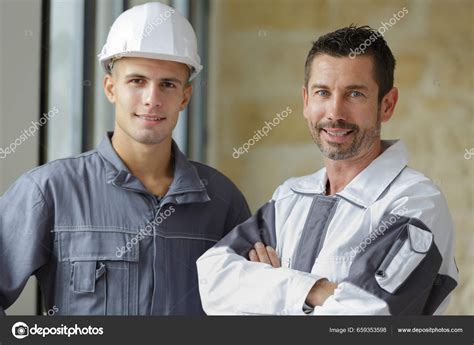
(257, 53)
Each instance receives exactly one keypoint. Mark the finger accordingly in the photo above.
(253, 255)
(262, 253)
(272, 254)
(332, 287)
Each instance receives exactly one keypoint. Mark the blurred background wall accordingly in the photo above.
(253, 55)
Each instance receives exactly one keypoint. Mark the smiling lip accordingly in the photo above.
(338, 135)
(150, 119)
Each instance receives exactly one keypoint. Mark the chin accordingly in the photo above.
(151, 140)
(148, 138)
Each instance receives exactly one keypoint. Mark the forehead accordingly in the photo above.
(151, 67)
(327, 69)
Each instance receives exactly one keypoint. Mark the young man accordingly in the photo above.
(365, 234)
(118, 230)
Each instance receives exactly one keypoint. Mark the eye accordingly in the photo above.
(356, 94)
(137, 81)
(322, 93)
(168, 84)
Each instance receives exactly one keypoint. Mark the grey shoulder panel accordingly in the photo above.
(400, 266)
(258, 228)
(442, 286)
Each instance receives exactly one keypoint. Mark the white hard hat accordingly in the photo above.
(153, 30)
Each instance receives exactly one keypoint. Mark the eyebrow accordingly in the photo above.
(356, 87)
(176, 80)
(348, 87)
(319, 86)
(137, 75)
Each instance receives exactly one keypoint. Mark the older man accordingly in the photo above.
(364, 235)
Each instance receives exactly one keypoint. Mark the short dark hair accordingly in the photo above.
(352, 41)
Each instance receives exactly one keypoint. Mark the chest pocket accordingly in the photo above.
(98, 277)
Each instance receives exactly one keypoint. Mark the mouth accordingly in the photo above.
(337, 134)
(150, 119)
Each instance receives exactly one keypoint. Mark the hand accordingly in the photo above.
(320, 291)
(263, 254)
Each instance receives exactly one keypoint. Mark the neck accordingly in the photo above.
(149, 163)
(341, 172)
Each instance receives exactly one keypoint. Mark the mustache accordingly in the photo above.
(337, 124)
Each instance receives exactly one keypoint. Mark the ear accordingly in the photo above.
(109, 87)
(305, 95)
(388, 103)
(187, 92)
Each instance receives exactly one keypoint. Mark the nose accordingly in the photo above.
(336, 109)
(152, 96)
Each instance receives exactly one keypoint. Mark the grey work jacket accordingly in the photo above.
(101, 244)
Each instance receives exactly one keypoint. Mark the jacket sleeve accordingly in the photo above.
(231, 284)
(239, 211)
(405, 266)
(24, 238)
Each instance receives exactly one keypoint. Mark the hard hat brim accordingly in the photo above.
(196, 67)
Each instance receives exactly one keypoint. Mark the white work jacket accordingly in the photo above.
(386, 239)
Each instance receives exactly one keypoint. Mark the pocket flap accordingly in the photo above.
(98, 246)
(84, 273)
(420, 240)
(403, 259)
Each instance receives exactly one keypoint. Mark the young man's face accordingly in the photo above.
(341, 106)
(148, 95)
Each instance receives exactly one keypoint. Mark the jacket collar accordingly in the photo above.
(186, 186)
(370, 183)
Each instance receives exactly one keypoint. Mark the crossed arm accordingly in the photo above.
(320, 291)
